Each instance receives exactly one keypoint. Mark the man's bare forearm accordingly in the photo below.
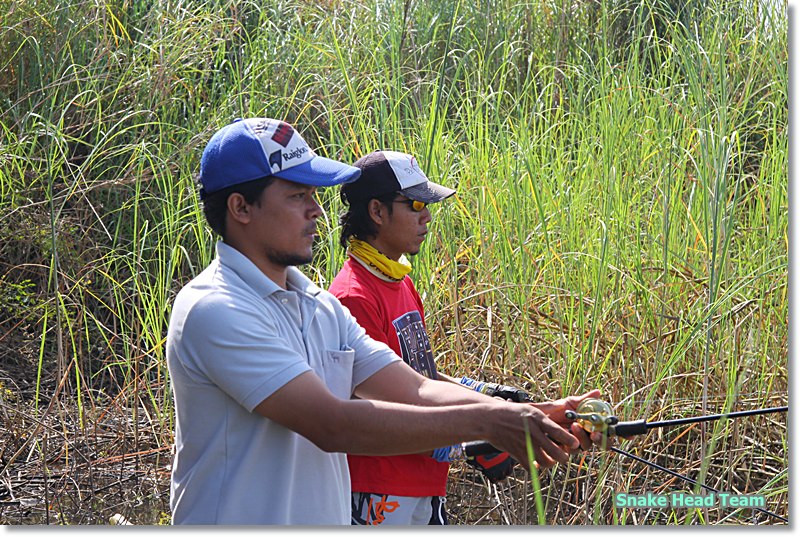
(421, 415)
(368, 427)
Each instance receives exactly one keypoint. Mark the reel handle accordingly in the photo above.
(594, 415)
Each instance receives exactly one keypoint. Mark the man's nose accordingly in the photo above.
(426, 215)
(314, 208)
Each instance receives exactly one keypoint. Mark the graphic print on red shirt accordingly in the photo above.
(415, 346)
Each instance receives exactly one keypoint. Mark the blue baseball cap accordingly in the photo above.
(253, 148)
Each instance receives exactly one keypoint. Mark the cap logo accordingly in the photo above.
(295, 153)
(275, 160)
(412, 168)
(283, 134)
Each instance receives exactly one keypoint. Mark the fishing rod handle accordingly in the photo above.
(628, 428)
(478, 447)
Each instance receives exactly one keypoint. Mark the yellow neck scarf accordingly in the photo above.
(380, 264)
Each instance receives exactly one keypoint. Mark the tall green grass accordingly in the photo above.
(621, 219)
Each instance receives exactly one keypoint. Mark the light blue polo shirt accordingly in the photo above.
(234, 338)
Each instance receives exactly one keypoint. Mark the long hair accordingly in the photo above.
(356, 222)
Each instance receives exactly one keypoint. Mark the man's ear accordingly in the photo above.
(238, 208)
(377, 211)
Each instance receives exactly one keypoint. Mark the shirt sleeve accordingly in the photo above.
(242, 353)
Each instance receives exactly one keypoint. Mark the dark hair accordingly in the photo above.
(356, 221)
(215, 205)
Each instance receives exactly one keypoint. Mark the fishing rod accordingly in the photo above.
(595, 415)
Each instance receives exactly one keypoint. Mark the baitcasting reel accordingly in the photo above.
(594, 415)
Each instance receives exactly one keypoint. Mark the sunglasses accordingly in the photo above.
(415, 205)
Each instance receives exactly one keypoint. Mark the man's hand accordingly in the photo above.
(495, 466)
(515, 422)
(556, 411)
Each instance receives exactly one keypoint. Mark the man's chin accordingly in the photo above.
(289, 259)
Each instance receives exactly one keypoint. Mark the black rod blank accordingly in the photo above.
(633, 428)
(712, 417)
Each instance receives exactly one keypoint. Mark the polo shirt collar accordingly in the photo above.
(257, 280)
(300, 281)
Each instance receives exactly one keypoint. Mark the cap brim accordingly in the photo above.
(428, 192)
(320, 171)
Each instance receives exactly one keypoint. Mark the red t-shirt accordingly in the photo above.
(391, 312)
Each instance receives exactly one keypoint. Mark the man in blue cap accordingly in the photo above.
(264, 364)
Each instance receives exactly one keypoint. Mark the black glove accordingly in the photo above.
(497, 390)
(494, 466)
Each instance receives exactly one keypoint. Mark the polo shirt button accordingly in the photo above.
(284, 300)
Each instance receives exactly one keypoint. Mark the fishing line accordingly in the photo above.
(595, 415)
(685, 478)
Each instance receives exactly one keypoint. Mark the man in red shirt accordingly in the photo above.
(387, 219)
